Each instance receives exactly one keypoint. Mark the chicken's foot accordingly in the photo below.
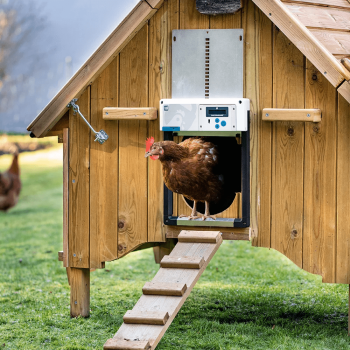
(193, 214)
(207, 214)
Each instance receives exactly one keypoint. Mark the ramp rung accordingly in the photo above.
(171, 289)
(120, 344)
(182, 262)
(154, 318)
(199, 236)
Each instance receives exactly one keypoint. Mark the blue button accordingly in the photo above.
(217, 126)
(223, 123)
(217, 120)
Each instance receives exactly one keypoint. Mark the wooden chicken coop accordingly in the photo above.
(296, 75)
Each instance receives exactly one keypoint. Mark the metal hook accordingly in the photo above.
(101, 136)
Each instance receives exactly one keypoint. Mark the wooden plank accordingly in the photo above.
(57, 129)
(60, 256)
(116, 113)
(154, 318)
(291, 26)
(65, 195)
(182, 262)
(218, 7)
(158, 36)
(79, 185)
(235, 234)
(167, 303)
(343, 193)
(344, 90)
(92, 68)
(199, 236)
(319, 233)
(132, 192)
(346, 62)
(79, 280)
(321, 17)
(104, 169)
(290, 114)
(288, 151)
(121, 344)
(337, 43)
(326, 3)
(261, 66)
(173, 289)
(190, 18)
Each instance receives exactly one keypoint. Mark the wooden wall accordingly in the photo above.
(299, 192)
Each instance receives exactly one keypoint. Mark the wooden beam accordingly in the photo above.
(199, 236)
(218, 7)
(155, 318)
(344, 90)
(117, 113)
(60, 256)
(325, 3)
(65, 195)
(92, 68)
(289, 114)
(172, 289)
(289, 24)
(121, 344)
(346, 62)
(79, 280)
(182, 262)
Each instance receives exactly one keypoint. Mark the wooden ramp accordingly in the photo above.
(162, 298)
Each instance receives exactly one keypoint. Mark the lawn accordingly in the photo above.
(248, 298)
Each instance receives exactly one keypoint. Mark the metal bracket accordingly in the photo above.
(101, 136)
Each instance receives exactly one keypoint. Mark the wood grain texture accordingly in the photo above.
(337, 43)
(92, 68)
(170, 304)
(190, 18)
(262, 147)
(104, 168)
(288, 151)
(346, 63)
(291, 114)
(79, 280)
(182, 262)
(172, 289)
(319, 234)
(65, 196)
(116, 113)
(199, 236)
(153, 318)
(289, 23)
(57, 129)
(343, 193)
(121, 344)
(251, 91)
(133, 193)
(344, 90)
(321, 17)
(326, 3)
(79, 185)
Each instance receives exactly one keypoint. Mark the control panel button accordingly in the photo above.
(217, 126)
(223, 123)
(217, 120)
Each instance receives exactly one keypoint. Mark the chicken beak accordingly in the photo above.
(148, 154)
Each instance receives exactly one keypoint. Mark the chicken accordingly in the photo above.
(190, 168)
(10, 185)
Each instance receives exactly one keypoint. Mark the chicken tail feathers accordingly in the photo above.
(14, 169)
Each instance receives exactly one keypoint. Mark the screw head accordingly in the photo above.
(106, 113)
(75, 302)
(267, 114)
(74, 255)
(308, 115)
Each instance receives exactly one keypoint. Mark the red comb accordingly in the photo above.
(149, 143)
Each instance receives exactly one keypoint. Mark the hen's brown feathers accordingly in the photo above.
(10, 186)
(189, 168)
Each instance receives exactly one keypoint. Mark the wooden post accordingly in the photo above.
(349, 313)
(79, 292)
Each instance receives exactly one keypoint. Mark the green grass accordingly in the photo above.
(248, 298)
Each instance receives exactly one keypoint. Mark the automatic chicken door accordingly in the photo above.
(207, 101)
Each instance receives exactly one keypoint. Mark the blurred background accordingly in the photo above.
(42, 44)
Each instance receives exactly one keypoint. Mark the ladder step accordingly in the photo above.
(121, 344)
(171, 289)
(199, 236)
(154, 318)
(182, 262)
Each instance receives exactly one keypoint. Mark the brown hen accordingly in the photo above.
(190, 168)
(10, 185)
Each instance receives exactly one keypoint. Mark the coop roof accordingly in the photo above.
(319, 28)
